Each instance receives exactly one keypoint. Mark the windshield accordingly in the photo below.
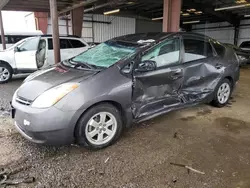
(106, 54)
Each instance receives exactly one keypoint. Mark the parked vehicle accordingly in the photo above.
(243, 55)
(13, 37)
(92, 97)
(245, 46)
(33, 53)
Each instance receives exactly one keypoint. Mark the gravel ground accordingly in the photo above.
(212, 140)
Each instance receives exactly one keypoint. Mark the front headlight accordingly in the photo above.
(52, 96)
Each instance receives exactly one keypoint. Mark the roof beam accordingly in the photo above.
(81, 4)
(3, 3)
(208, 8)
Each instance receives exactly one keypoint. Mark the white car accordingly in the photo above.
(245, 46)
(33, 53)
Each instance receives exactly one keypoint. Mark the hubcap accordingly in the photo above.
(4, 74)
(223, 93)
(101, 128)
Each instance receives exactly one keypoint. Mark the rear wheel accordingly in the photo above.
(5, 73)
(222, 93)
(99, 127)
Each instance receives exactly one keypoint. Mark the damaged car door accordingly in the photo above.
(202, 69)
(158, 77)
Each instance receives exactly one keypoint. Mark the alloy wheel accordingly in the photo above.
(223, 93)
(101, 128)
(4, 74)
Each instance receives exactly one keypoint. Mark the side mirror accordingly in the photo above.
(16, 49)
(146, 66)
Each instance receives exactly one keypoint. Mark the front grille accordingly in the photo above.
(23, 101)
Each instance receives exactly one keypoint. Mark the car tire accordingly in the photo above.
(93, 131)
(6, 73)
(222, 93)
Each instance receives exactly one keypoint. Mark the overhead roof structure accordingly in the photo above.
(202, 10)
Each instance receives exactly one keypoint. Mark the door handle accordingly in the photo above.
(218, 66)
(176, 74)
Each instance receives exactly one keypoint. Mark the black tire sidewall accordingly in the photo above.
(82, 123)
(10, 71)
(216, 102)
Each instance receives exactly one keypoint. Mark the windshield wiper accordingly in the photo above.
(84, 65)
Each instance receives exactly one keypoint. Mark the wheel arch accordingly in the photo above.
(112, 102)
(230, 78)
(7, 64)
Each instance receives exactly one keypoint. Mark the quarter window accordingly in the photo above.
(165, 53)
(196, 49)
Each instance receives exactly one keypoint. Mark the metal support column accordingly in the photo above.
(55, 30)
(166, 18)
(236, 35)
(2, 31)
(175, 15)
(77, 21)
(67, 26)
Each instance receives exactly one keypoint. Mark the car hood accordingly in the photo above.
(40, 81)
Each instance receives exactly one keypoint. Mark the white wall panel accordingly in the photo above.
(119, 26)
(223, 34)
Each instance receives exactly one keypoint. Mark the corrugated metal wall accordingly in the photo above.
(244, 33)
(143, 26)
(101, 31)
(119, 26)
(225, 34)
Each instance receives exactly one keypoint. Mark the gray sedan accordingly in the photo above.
(91, 98)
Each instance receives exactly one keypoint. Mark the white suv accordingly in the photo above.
(33, 53)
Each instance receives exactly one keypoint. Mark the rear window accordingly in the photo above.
(245, 44)
(219, 48)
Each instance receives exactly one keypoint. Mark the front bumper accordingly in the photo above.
(49, 126)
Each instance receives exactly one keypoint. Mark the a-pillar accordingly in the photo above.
(2, 31)
(77, 20)
(171, 15)
(41, 21)
(55, 30)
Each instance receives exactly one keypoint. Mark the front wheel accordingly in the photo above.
(5, 73)
(222, 93)
(99, 127)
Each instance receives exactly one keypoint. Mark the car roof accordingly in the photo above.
(156, 36)
(66, 36)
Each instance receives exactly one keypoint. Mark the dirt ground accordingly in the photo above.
(212, 140)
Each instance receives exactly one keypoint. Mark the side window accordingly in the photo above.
(196, 49)
(64, 44)
(30, 45)
(165, 53)
(76, 43)
(50, 44)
